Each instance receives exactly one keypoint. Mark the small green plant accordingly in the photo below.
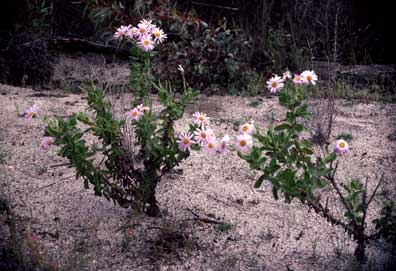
(223, 227)
(386, 223)
(290, 164)
(345, 136)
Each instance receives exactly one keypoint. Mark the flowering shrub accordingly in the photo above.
(116, 172)
(290, 164)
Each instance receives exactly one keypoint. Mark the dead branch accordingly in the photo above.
(203, 219)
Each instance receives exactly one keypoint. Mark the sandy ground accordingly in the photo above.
(85, 232)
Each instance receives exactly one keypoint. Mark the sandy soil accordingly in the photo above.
(85, 232)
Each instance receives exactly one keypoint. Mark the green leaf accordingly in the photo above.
(259, 181)
(330, 158)
(307, 151)
(282, 127)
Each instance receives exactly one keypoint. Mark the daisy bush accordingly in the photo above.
(296, 170)
(127, 175)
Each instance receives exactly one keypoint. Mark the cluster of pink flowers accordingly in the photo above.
(31, 112)
(137, 112)
(276, 83)
(204, 137)
(146, 34)
(209, 143)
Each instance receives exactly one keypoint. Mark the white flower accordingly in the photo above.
(144, 28)
(201, 119)
(298, 79)
(209, 147)
(31, 112)
(247, 128)
(185, 141)
(309, 77)
(223, 144)
(146, 43)
(134, 114)
(123, 32)
(341, 146)
(202, 135)
(180, 68)
(275, 84)
(244, 143)
(159, 35)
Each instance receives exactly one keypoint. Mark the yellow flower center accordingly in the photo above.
(210, 145)
(203, 135)
(186, 141)
(309, 78)
(142, 30)
(146, 42)
(341, 144)
(245, 128)
(242, 143)
(134, 113)
(30, 114)
(157, 34)
(274, 84)
(201, 118)
(298, 78)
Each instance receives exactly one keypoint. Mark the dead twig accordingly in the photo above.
(203, 219)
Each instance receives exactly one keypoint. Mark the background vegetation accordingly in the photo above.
(225, 46)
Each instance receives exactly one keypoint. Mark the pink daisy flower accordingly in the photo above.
(247, 128)
(146, 43)
(123, 32)
(298, 80)
(143, 29)
(275, 84)
(244, 143)
(134, 115)
(223, 144)
(185, 141)
(341, 146)
(201, 119)
(47, 142)
(210, 146)
(309, 77)
(31, 112)
(202, 135)
(159, 35)
(147, 23)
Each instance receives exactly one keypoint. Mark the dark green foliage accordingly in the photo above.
(285, 159)
(345, 136)
(212, 58)
(386, 224)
